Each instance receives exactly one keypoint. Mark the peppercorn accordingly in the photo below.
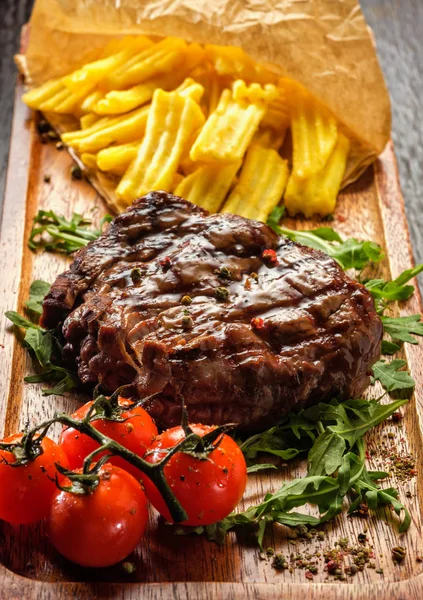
(76, 172)
(187, 322)
(186, 300)
(223, 273)
(222, 294)
(398, 554)
(362, 538)
(165, 263)
(43, 126)
(257, 323)
(47, 178)
(270, 257)
(136, 275)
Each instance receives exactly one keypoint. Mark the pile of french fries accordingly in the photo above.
(204, 122)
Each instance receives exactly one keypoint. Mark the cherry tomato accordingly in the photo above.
(102, 527)
(26, 491)
(209, 489)
(135, 433)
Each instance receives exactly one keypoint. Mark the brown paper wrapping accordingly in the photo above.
(324, 44)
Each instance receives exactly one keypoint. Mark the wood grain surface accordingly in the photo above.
(169, 566)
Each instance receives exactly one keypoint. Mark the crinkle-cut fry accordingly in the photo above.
(73, 136)
(191, 89)
(230, 128)
(118, 44)
(209, 185)
(95, 72)
(120, 130)
(88, 120)
(72, 103)
(269, 138)
(314, 134)
(52, 103)
(36, 97)
(277, 115)
(122, 101)
(88, 104)
(177, 178)
(171, 121)
(230, 60)
(318, 194)
(117, 158)
(159, 58)
(261, 184)
(89, 160)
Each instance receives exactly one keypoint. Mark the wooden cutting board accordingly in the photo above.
(169, 566)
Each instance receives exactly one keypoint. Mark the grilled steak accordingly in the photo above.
(215, 309)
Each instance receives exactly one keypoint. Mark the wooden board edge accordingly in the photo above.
(13, 585)
(12, 230)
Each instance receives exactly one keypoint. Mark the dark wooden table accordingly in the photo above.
(398, 27)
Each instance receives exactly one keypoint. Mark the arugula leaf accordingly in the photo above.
(389, 347)
(43, 345)
(391, 376)
(326, 454)
(19, 320)
(37, 292)
(260, 467)
(349, 254)
(395, 289)
(401, 328)
(55, 233)
(326, 492)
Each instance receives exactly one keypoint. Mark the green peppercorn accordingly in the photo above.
(398, 554)
(222, 294)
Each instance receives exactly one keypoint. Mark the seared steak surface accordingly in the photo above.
(264, 333)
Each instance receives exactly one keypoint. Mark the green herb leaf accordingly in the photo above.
(326, 454)
(19, 320)
(261, 467)
(395, 289)
(391, 376)
(389, 347)
(55, 233)
(401, 328)
(37, 292)
(350, 254)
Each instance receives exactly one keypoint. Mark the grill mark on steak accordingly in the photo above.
(317, 333)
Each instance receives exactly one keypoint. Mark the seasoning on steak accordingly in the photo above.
(215, 309)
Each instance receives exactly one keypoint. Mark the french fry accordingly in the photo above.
(276, 115)
(233, 61)
(314, 134)
(52, 103)
(88, 120)
(122, 101)
(104, 133)
(159, 58)
(95, 72)
(171, 121)
(91, 100)
(317, 195)
(269, 138)
(209, 185)
(177, 178)
(230, 128)
(261, 184)
(39, 95)
(89, 160)
(117, 158)
(191, 89)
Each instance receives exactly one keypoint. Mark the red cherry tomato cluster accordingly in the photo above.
(103, 526)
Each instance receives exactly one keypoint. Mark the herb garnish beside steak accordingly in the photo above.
(271, 326)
